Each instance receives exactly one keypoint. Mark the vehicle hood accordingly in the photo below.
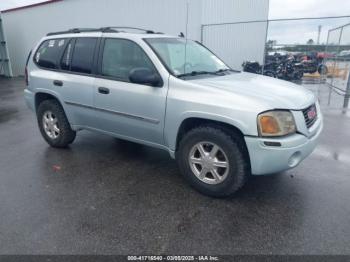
(270, 92)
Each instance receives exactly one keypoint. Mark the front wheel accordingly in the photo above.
(213, 161)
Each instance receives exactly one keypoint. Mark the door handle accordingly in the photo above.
(58, 83)
(103, 90)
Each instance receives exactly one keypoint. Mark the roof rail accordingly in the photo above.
(75, 31)
(109, 29)
(147, 31)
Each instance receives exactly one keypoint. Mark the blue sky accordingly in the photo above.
(284, 32)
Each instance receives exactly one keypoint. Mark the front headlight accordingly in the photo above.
(276, 123)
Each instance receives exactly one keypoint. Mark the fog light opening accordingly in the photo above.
(295, 159)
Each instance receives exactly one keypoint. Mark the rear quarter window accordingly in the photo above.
(49, 53)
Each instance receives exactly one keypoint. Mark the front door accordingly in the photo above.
(126, 109)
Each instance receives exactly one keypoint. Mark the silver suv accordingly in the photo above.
(168, 92)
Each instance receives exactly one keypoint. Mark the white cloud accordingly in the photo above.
(308, 8)
(291, 32)
(299, 31)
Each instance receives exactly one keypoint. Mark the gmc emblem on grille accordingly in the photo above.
(311, 114)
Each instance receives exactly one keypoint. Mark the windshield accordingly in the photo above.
(184, 57)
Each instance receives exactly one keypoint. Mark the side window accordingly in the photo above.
(49, 52)
(83, 55)
(120, 56)
(66, 58)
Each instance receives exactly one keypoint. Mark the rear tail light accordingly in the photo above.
(26, 69)
(26, 76)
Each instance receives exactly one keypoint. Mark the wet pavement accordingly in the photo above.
(107, 196)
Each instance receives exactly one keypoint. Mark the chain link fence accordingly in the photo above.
(338, 64)
(323, 53)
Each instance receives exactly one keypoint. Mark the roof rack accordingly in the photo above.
(76, 31)
(109, 29)
(120, 29)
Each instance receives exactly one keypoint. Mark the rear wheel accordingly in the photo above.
(54, 125)
(213, 161)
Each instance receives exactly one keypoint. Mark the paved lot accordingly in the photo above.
(114, 197)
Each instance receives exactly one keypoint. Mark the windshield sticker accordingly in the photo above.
(52, 43)
(61, 43)
(37, 57)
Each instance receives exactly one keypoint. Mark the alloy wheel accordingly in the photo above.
(50, 124)
(209, 163)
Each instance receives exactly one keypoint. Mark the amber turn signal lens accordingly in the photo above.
(269, 125)
(276, 123)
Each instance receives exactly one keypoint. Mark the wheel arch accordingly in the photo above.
(192, 122)
(43, 95)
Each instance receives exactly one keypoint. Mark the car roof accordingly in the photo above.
(114, 32)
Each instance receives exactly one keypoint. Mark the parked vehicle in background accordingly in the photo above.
(345, 54)
(286, 69)
(255, 68)
(221, 125)
(252, 67)
(309, 66)
(313, 62)
(289, 69)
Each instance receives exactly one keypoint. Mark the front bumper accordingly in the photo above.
(272, 159)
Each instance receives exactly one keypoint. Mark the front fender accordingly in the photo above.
(172, 126)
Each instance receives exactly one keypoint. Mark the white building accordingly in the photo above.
(215, 22)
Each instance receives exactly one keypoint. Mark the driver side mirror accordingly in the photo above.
(145, 76)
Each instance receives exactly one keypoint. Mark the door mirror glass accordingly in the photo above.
(144, 76)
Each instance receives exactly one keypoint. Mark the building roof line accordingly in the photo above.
(30, 6)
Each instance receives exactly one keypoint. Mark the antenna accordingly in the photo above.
(185, 62)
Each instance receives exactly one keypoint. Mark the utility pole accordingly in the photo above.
(5, 66)
(319, 34)
(347, 96)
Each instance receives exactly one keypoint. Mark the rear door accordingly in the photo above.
(76, 81)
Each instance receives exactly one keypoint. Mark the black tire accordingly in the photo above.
(322, 70)
(270, 74)
(299, 75)
(66, 135)
(233, 146)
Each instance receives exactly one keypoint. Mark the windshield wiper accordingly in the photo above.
(217, 73)
(196, 73)
(226, 70)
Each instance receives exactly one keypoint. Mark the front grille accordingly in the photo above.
(310, 115)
